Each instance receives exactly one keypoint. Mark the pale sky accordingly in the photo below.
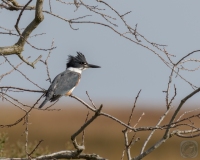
(126, 67)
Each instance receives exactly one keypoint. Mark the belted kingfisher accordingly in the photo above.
(65, 82)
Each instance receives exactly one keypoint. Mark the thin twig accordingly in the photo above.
(91, 100)
(83, 135)
(19, 17)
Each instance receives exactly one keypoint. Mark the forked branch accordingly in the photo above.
(18, 48)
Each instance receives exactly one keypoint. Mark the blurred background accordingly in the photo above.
(103, 136)
(126, 68)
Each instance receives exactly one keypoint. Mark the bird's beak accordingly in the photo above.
(92, 66)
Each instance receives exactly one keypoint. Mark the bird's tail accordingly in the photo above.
(43, 103)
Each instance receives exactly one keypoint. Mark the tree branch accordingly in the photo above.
(166, 134)
(62, 155)
(19, 46)
(15, 6)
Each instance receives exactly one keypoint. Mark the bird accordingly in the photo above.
(65, 82)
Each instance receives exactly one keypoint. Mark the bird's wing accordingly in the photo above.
(63, 83)
(67, 81)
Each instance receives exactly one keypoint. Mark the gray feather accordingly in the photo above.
(43, 103)
(61, 85)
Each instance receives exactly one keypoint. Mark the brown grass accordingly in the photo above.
(103, 136)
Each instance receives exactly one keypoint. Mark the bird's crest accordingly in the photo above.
(79, 58)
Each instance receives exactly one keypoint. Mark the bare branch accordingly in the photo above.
(35, 148)
(46, 62)
(15, 6)
(62, 155)
(130, 117)
(91, 101)
(3, 75)
(22, 73)
(19, 46)
(73, 137)
(166, 134)
(83, 135)
(187, 56)
(18, 19)
(22, 89)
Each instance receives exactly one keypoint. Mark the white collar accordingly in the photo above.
(78, 70)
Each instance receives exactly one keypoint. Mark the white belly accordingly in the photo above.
(70, 92)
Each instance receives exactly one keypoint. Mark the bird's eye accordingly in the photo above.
(83, 63)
